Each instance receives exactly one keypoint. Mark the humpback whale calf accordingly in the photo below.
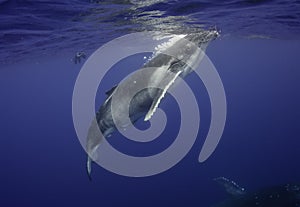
(185, 56)
(287, 195)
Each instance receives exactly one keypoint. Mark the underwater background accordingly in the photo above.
(258, 59)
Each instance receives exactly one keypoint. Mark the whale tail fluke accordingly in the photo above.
(94, 138)
(89, 167)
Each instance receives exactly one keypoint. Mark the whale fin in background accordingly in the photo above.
(230, 186)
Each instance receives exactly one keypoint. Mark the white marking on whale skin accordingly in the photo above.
(166, 45)
(169, 43)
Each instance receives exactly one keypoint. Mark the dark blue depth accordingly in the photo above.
(257, 57)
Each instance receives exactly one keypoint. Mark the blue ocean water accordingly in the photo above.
(256, 55)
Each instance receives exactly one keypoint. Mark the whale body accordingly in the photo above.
(145, 102)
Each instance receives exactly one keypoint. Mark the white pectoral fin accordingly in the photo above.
(153, 107)
(165, 84)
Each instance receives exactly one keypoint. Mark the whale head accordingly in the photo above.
(203, 37)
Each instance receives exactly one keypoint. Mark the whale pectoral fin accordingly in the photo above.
(164, 85)
(230, 186)
(154, 106)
